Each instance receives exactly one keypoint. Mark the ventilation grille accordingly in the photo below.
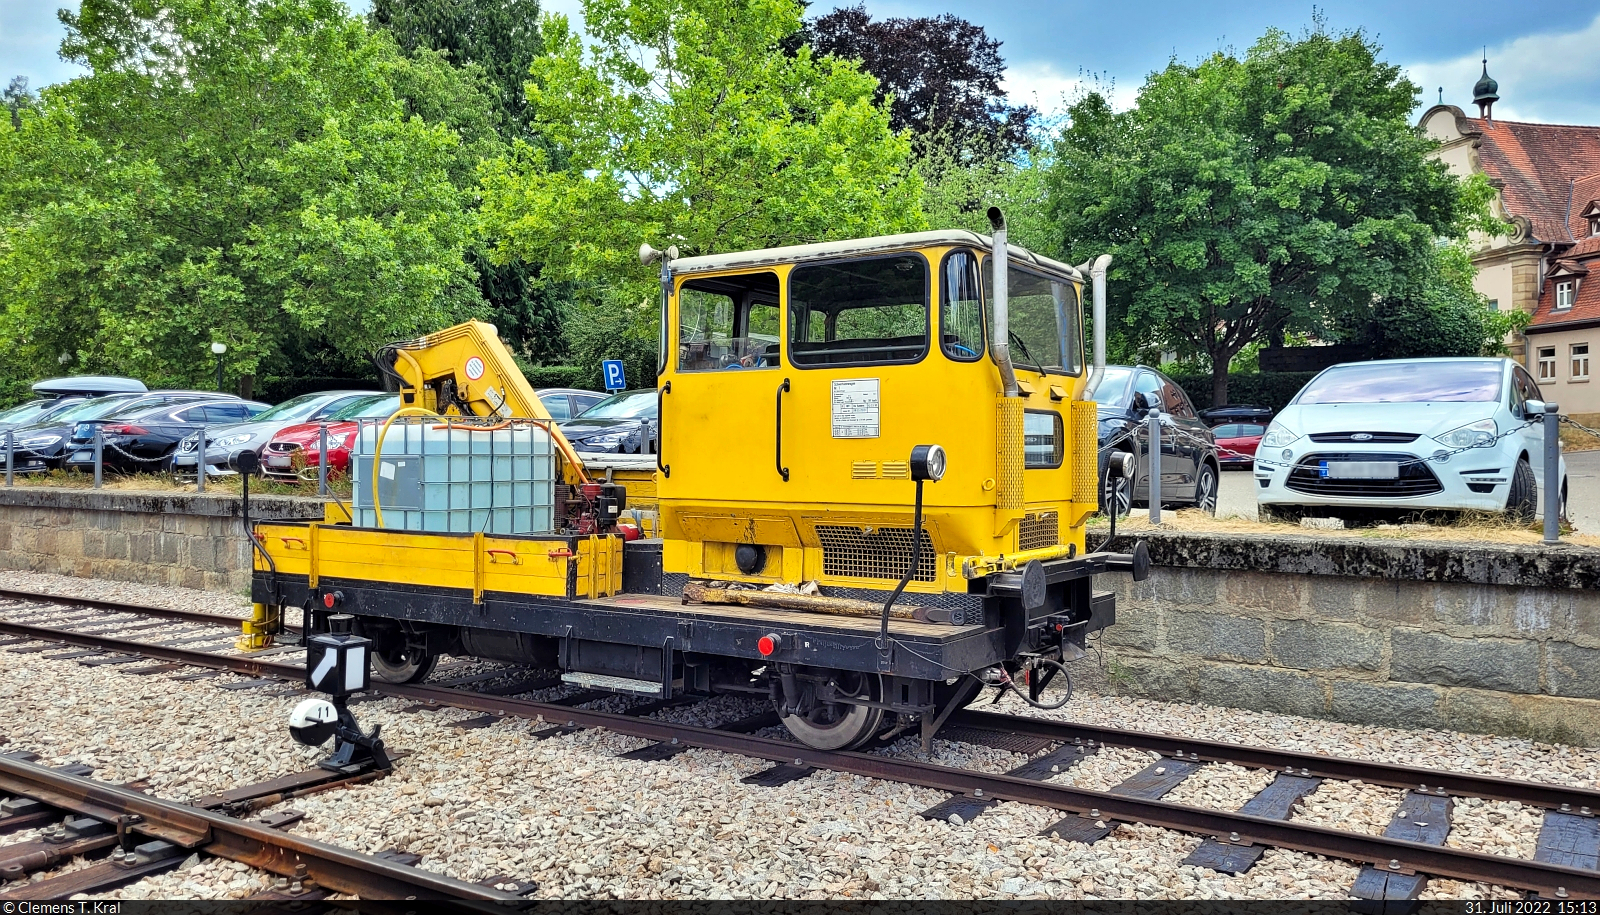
(1085, 452)
(1039, 531)
(884, 552)
(896, 470)
(864, 470)
(1008, 494)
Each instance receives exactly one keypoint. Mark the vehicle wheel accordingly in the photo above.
(1205, 490)
(1522, 502)
(408, 666)
(1282, 514)
(852, 726)
(1118, 493)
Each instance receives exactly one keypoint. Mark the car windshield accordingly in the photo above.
(294, 409)
(1113, 390)
(25, 412)
(377, 405)
(90, 409)
(627, 405)
(1406, 382)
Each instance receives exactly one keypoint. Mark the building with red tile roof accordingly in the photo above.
(1548, 178)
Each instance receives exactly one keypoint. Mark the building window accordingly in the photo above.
(1594, 226)
(1494, 304)
(1547, 363)
(1563, 295)
(1580, 362)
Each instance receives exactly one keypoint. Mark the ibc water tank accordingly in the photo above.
(449, 476)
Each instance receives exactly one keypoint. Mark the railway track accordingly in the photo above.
(1396, 864)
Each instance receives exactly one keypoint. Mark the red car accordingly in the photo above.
(1237, 443)
(295, 449)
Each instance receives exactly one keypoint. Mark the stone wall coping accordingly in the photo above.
(1520, 565)
(220, 505)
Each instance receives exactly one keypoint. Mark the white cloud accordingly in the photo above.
(1542, 77)
(1040, 84)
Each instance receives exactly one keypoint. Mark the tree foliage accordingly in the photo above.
(242, 171)
(17, 97)
(686, 124)
(1245, 197)
(940, 74)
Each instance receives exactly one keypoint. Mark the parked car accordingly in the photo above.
(624, 423)
(1188, 462)
(43, 445)
(565, 403)
(296, 448)
(1237, 413)
(143, 438)
(1236, 443)
(36, 411)
(1403, 435)
(224, 444)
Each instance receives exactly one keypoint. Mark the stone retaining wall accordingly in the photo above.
(185, 539)
(1493, 639)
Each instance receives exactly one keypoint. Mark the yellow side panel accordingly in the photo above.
(336, 512)
(526, 566)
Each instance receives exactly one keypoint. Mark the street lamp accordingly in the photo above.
(219, 349)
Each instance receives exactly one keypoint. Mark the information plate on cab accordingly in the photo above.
(855, 408)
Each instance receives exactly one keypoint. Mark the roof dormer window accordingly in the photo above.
(1564, 295)
(1594, 225)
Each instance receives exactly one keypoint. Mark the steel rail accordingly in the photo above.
(1488, 787)
(339, 869)
(112, 606)
(1391, 855)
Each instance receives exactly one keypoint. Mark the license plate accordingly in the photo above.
(274, 460)
(1360, 470)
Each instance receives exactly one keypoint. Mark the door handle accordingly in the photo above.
(661, 434)
(782, 470)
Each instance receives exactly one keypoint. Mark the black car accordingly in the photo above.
(1125, 397)
(42, 445)
(624, 423)
(143, 438)
(1237, 413)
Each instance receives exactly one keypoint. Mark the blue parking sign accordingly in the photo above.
(612, 370)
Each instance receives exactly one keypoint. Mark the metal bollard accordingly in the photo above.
(200, 462)
(1552, 473)
(99, 454)
(322, 459)
(1154, 419)
(11, 453)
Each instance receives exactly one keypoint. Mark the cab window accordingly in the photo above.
(862, 312)
(961, 308)
(728, 322)
(1046, 333)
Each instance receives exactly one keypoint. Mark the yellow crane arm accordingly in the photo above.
(466, 371)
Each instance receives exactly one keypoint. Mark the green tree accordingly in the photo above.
(686, 124)
(1242, 198)
(235, 170)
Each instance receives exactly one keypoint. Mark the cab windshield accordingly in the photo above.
(861, 312)
(1046, 327)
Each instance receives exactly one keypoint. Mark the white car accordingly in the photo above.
(1407, 434)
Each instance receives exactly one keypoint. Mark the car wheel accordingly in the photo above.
(1118, 492)
(1205, 490)
(1522, 502)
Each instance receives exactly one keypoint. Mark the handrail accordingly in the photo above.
(782, 470)
(661, 431)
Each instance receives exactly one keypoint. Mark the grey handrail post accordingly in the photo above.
(200, 462)
(1552, 473)
(11, 453)
(99, 454)
(322, 458)
(1154, 420)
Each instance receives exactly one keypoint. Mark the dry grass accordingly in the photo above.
(338, 484)
(1575, 439)
(1470, 527)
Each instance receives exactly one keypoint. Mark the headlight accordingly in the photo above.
(1278, 436)
(233, 440)
(603, 441)
(42, 441)
(1474, 435)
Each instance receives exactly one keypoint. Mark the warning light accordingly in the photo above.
(767, 644)
(332, 598)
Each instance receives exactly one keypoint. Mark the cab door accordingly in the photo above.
(719, 395)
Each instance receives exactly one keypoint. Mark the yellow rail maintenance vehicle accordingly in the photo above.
(876, 461)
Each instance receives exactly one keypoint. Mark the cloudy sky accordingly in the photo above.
(1546, 55)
